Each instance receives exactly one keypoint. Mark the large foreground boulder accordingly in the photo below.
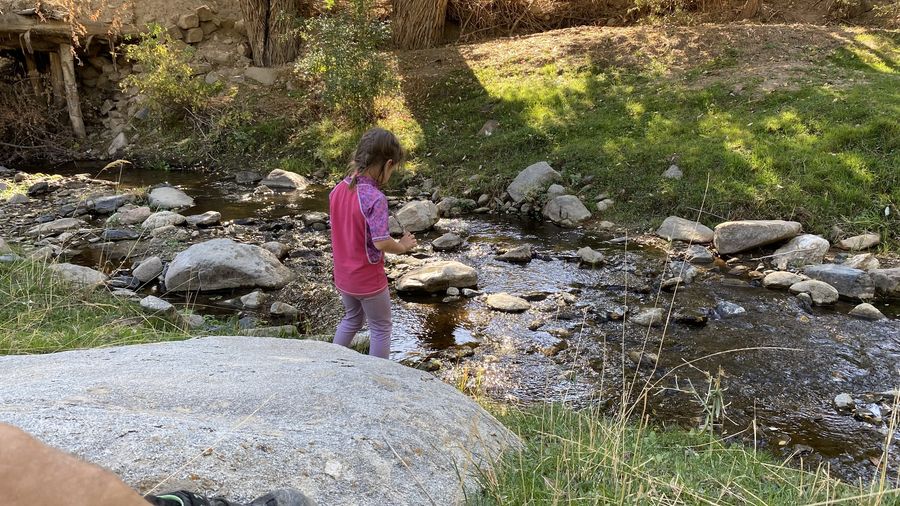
(342, 427)
(222, 263)
(736, 236)
(849, 282)
(418, 215)
(532, 180)
(438, 277)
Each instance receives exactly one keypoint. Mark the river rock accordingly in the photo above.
(532, 181)
(863, 261)
(887, 281)
(860, 242)
(649, 317)
(782, 280)
(44, 253)
(802, 250)
(821, 293)
(447, 242)
(673, 172)
(590, 256)
(518, 255)
(418, 215)
(674, 228)
(699, 255)
(278, 249)
(148, 270)
(207, 219)
(844, 402)
(283, 179)
(247, 177)
(452, 225)
(850, 283)
(283, 310)
(222, 263)
(867, 311)
(736, 236)
(162, 219)
(423, 434)
(282, 331)
(155, 305)
(395, 226)
(55, 227)
(109, 204)
(253, 300)
(507, 303)
(39, 188)
(554, 191)
(83, 277)
(725, 309)
(112, 234)
(168, 197)
(438, 277)
(18, 198)
(567, 211)
(130, 215)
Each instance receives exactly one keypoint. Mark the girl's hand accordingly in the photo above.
(408, 241)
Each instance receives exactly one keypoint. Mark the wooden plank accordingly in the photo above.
(56, 79)
(68, 71)
(33, 75)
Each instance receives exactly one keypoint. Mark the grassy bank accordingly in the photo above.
(41, 314)
(583, 458)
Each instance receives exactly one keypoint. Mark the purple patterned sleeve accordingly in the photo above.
(375, 209)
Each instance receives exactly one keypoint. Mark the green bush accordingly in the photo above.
(167, 80)
(342, 61)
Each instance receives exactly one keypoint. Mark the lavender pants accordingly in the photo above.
(377, 310)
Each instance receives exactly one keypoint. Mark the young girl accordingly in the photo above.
(360, 235)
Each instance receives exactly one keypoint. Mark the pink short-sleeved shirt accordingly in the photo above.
(359, 218)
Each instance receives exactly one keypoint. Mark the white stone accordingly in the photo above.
(418, 215)
(589, 256)
(867, 311)
(860, 242)
(56, 226)
(168, 197)
(285, 180)
(802, 250)
(155, 305)
(262, 75)
(83, 277)
(253, 300)
(649, 317)
(438, 277)
(507, 303)
(820, 292)
(148, 270)
(207, 219)
(162, 219)
(736, 236)
(863, 261)
(532, 180)
(674, 228)
(673, 172)
(567, 211)
(782, 280)
(222, 263)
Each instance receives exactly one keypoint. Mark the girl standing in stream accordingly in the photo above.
(360, 235)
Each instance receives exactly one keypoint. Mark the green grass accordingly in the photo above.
(41, 314)
(582, 458)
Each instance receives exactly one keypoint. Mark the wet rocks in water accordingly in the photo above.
(518, 255)
(283, 179)
(207, 219)
(507, 303)
(844, 402)
(283, 310)
(802, 250)
(725, 309)
(418, 215)
(671, 284)
(155, 305)
(867, 311)
(112, 234)
(850, 283)
(674, 228)
(699, 255)
(278, 249)
(39, 188)
(782, 280)
(649, 317)
(736, 236)
(555, 348)
(591, 257)
(684, 270)
(222, 263)
(531, 181)
(162, 219)
(566, 211)
(469, 293)
(692, 317)
(860, 242)
(56, 226)
(168, 197)
(447, 242)
(247, 177)
(109, 204)
(643, 358)
(820, 292)
(130, 215)
(863, 261)
(83, 277)
(18, 199)
(148, 270)
(673, 172)
(438, 277)
(887, 281)
(452, 226)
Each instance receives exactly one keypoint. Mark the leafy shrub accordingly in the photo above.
(167, 80)
(342, 60)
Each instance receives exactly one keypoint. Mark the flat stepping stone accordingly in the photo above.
(507, 303)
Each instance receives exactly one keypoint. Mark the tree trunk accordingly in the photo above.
(56, 78)
(270, 25)
(68, 71)
(418, 24)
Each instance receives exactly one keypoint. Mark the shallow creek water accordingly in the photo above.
(781, 364)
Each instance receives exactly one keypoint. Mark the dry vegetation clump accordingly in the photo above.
(527, 16)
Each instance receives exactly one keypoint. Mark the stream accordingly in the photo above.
(781, 364)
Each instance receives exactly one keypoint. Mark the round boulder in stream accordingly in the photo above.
(507, 303)
(438, 277)
(168, 197)
(394, 435)
(221, 264)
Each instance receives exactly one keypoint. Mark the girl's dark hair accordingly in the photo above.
(376, 147)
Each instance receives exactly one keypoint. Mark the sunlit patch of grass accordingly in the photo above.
(41, 314)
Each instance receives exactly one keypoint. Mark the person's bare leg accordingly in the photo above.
(32, 473)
